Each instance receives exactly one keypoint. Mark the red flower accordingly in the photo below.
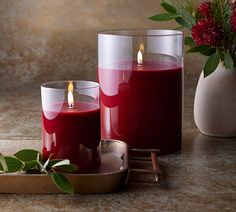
(233, 3)
(205, 9)
(207, 32)
(233, 21)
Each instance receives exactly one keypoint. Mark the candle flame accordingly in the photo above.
(70, 95)
(140, 55)
(140, 58)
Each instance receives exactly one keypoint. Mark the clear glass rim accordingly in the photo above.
(62, 85)
(141, 32)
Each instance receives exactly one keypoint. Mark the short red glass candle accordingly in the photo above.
(71, 123)
(141, 76)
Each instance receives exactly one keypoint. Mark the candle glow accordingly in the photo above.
(70, 94)
(140, 55)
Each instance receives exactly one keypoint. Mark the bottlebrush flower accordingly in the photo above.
(206, 31)
(233, 21)
(205, 9)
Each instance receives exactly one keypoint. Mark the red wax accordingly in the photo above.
(142, 105)
(73, 134)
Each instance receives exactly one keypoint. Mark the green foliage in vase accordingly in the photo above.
(30, 161)
(212, 26)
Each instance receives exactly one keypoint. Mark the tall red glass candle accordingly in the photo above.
(141, 76)
(71, 123)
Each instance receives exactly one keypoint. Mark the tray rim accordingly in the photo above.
(126, 168)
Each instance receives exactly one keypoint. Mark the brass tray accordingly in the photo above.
(112, 175)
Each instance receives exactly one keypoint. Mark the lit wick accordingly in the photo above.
(70, 95)
(140, 55)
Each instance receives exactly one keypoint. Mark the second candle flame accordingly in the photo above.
(140, 58)
(140, 55)
(70, 95)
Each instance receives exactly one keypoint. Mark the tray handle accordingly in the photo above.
(156, 171)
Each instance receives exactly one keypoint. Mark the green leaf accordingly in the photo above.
(167, 2)
(168, 7)
(211, 64)
(228, 60)
(189, 41)
(164, 17)
(27, 155)
(62, 183)
(61, 163)
(197, 48)
(3, 164)
(31, 165)
(183, 23)
(185, 14)
(13, 164)
(67, 168)
(47, 162)
(53, 162)
(208, 51)
(41, 167)
(203, 49)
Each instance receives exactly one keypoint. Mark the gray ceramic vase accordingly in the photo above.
(215, 103)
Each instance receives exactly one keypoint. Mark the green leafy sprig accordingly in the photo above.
(183, 14)
(30, 161)
(187, 15)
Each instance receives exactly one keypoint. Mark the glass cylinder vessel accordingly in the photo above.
(71, 123)
(141, 80)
